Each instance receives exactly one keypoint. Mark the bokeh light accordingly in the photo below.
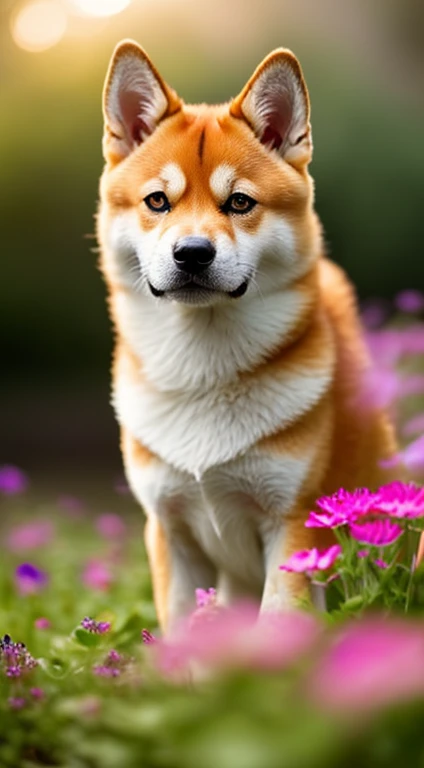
(101, 7)
(39, 25)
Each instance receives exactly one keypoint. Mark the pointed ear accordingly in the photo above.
(275, 103)
(135, 100)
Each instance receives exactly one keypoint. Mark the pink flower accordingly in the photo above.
(205, 597)
(309, 560)
(340, 508)
(111, 526)
(30, 579)
(30, 536)
(379, 533)
(12, 480)
(97, 575)
(42, 623)
(369, 665)
(235, 637)
(37, 693)
(402, 500)
(16, 702)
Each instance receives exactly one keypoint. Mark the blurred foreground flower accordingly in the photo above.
(237, 638)
(12, 480)
(370, 664)
(30, 579)
(30, 536)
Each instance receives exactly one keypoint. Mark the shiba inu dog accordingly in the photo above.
(239, 362)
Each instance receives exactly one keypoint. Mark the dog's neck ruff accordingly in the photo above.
(187, 349)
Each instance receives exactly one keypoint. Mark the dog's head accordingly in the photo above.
(203, 204)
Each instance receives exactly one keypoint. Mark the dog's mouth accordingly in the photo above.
(192, 291)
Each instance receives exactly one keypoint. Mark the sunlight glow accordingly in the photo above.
(39, 25)
(101, 7)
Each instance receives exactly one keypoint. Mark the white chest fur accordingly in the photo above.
(194, 432)
(229, 508)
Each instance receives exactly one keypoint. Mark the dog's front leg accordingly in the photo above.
(178, 566)
(282, 590)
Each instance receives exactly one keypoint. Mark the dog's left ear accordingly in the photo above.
(275, 103)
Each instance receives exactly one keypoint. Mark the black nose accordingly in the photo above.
(194, 254)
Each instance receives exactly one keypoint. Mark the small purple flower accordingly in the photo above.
(13, 671)
(310, 560)
(37, 693)
(12, 480)
(379, 533)
(410, 301)
(98, 627)
(102, 670)
(30, 579)
(114, 657)
(148, 638)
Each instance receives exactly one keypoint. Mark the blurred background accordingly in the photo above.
(364, 64)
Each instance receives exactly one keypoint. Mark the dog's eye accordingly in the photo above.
(238, 203)
(157, 202)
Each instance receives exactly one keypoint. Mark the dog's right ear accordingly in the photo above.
(135, 100)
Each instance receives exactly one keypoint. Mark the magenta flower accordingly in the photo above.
(42, 623)
(37, 693)
(148, 638)
(30, 579)
(340, 508)
(97, 575)
(310, 560)
(402, 500)
(16, 702)
(111, 526)
(205, 598)
(370, 664)
(102, 670)
(379, 533)
(12, 480)
(30, 536)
